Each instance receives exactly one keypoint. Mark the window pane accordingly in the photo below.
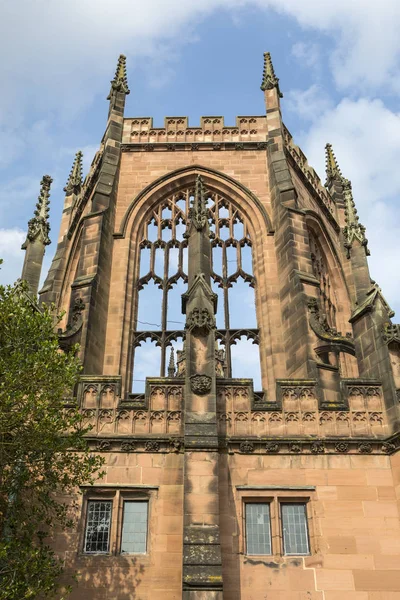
(98, 524)
(294, 526)
(258, 530)
(134, 527)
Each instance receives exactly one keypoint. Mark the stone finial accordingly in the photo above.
(120, 81)
(171, 364)
(39, 225)
(270, 80)
(198, 211)
(331, 165)
(74, 183)
(353, 229)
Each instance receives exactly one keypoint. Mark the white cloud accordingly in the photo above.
(10, 252)
(365, 35)
(307, 54)
(308, 104)
(53, 48)
(365, 136)
(56, 66)
(14, 195)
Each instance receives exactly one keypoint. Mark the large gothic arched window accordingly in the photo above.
(321, 272)
(163, 277)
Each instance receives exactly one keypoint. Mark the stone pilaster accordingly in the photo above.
(202, 566)
(291, 237)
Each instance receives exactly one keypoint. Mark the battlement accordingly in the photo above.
(211, 129)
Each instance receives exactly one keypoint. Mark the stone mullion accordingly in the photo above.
(164, 311)
(202, 566)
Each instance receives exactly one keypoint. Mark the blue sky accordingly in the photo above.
(338, 65)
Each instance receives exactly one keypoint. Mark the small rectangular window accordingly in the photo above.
(134, 528)
(98, 525)
(258, 529)
(294, 528)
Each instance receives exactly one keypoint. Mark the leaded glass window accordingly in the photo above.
(258, 528)
(294, 528)
(98, 526)
(163, 277)
(134, 527)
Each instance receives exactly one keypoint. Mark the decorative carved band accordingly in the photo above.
(289, 446)
(185, 146)
(299, 446)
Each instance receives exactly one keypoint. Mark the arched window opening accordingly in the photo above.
(163, 279)
(246, 360)
(321, 272)
(147, 363)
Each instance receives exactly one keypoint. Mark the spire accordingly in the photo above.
(39, 224)
(120, 81)
(353, 229)
(198, 211)
(171, 364)
(270, 80)
(74, 183)
(331, 165)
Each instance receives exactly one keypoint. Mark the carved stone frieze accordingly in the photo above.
(391, 333)
(272, 448)
(104, 446)
(176, 445)
(200, 384)
(200, 319)
(127, 447)
(342, 447)
(152, 446)
(365, 448)
(246, 447)
(317, 448)
(299, 446)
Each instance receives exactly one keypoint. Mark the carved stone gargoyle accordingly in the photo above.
(70, 335)
(333, 340)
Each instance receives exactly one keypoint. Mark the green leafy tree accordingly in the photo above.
(43, 453)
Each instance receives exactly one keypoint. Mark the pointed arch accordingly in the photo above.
(217, 181)
(334, 292)
(132, 235)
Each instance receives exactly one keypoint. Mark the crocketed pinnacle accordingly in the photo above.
(353, 229)
(39, 225)
(198, 211)
(270, 80)
(74, 183)
(120, 81)
(171, 364)
(331, 165)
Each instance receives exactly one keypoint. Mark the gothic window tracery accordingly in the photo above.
(321, 272)
(163, 277)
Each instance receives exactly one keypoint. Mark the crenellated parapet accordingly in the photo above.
(297, 411)
(211, 129)
(157, 412)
